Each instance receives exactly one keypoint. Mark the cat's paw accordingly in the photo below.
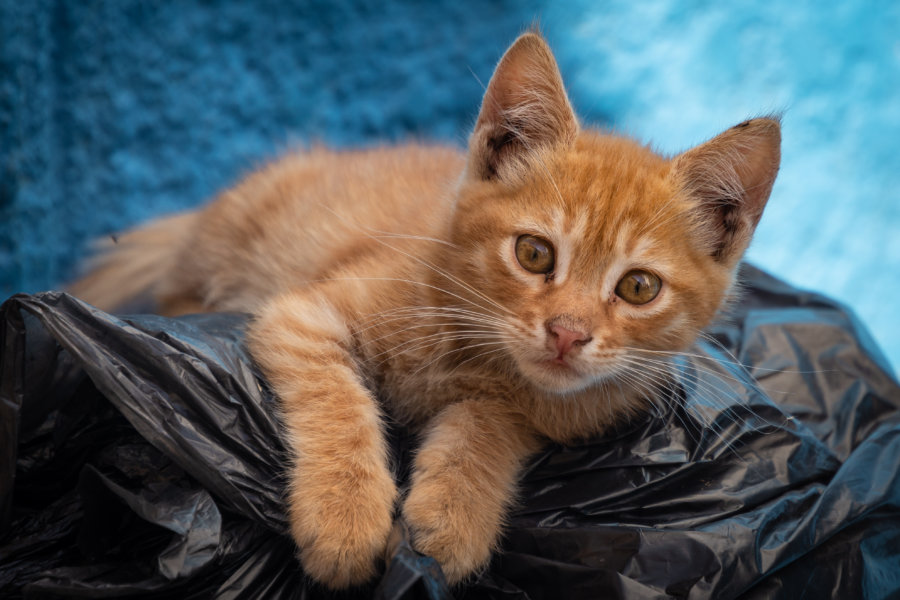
(342, 535)
(453, 532)
(340, 561)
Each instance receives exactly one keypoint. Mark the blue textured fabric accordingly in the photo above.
(115, 111)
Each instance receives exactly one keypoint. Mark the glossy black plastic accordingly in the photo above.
(139, 456)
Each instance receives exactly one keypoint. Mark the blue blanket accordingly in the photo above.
(114, 111)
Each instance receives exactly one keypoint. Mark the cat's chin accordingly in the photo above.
(555, 377)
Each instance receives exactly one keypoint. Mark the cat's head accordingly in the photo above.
(585, 251)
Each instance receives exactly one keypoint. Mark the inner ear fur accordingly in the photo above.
(525, 111)
(730, 177)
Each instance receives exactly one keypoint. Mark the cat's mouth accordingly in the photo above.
(555, 374)
(565, 374)
(558, 363)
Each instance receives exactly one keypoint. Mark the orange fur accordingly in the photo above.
(395, 271)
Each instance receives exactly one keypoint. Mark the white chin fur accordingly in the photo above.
(561, 381)
(555, 380)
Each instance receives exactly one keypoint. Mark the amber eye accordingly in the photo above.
(535, 254)
(638, 287)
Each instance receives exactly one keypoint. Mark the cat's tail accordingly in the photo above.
(128, 270)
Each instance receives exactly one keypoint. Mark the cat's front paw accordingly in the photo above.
(454, 532)
(341, 559)
(342, 536)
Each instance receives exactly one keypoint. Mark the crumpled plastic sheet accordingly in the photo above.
(140, 456)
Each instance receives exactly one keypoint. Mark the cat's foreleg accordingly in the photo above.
(463, 482)
(342, 493)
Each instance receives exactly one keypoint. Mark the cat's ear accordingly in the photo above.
(525, 111)
(731, 177)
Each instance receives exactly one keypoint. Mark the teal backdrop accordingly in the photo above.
(115, 111)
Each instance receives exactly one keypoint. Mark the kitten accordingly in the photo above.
(494, 300)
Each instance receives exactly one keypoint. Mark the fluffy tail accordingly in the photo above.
(128, 269)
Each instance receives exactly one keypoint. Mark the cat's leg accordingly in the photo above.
(464, 480)
(342, 493)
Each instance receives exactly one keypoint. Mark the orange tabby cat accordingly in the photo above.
(495, 300)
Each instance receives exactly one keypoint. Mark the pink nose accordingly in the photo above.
(564, 339)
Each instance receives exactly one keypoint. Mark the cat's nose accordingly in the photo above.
(563, 339)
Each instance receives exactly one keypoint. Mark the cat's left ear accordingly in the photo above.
(525, 111)
(730, 177)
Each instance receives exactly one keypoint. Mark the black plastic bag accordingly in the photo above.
(140, 457)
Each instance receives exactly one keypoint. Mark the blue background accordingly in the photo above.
(112, 112)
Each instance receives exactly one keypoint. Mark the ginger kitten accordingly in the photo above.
(494, 300)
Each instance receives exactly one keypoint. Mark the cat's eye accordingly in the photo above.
(638, 287)
(534, 254)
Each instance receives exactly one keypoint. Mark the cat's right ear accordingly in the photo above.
(525, 111)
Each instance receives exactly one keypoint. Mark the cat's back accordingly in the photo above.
(300, 217)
